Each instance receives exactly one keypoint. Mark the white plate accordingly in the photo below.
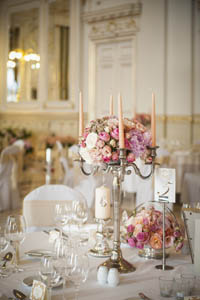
(28, 281)
(38, 252)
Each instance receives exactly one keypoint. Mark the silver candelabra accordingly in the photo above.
(119, 170)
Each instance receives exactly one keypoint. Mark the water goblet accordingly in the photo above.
(15, 230)
(79, 272)
(63, 215)
(81, 213)
(47, 273)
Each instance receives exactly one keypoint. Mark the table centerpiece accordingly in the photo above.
(111, 145)
(144, 230)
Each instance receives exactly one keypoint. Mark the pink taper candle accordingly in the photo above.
(134, 111)
(121, 124)
(153, 121)
(80, 115)
(111, 105)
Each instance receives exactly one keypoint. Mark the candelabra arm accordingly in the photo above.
(138, 172)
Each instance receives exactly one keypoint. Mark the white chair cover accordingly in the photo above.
(39, 205)
(134, 184)
(9, 193)
(68, 172)
(190, 190)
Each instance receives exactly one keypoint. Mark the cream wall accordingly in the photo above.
(166, 47)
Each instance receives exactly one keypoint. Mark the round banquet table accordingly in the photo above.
(144, 279)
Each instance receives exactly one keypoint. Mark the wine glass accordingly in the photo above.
(48, 273)
(3, 246)
(79, 272)
(63, 215)
(15, 230)
(81, 213)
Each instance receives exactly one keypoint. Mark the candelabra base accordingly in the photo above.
(120, 264)
(164, 267)
(100, 253)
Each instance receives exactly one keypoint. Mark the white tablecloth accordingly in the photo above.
(144, 279)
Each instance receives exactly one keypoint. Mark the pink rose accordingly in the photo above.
(96, 156)
(115, 156)
(145, 221)
(83, 144)
(177, 233)
(179, 245)
(127, 144)
(127, 135)
(106, 159)
(139, 245)
(100, 144)
(169, 240)
(130, 157)
(104, 136)
(106, 151)
(85, 134)
(115, 133)
(142, 237)
(130, 228)
(132, 242)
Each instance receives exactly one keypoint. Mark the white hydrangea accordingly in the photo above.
(91, 140)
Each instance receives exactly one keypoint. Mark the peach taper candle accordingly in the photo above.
(111, 105)
(81, 121)
(121, 124)
(153, 121)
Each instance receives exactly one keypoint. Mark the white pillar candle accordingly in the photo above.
(196, 246)
(102, 202)
(48, 155)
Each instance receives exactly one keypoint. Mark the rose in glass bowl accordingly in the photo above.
(100, 141)
(144, 228)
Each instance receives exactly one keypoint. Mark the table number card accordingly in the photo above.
(165, 183)
(38, 290)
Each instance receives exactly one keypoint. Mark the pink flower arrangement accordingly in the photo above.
(100, 141)
(145, 228)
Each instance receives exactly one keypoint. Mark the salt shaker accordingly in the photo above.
(113, 277)
(102, 274)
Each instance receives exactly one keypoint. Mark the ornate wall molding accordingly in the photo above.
(179, 118)
(64, 123)
(113, 22)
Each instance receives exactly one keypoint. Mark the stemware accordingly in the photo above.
(15, 233)
(3, 246)
(79, 272)
(63, 215)
(48, 273)
(64, 253)
(81, 213)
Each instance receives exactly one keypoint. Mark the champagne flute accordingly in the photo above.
(79, 273)
(15, 230)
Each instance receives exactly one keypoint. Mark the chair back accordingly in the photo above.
(39, 205)
(9, 193)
